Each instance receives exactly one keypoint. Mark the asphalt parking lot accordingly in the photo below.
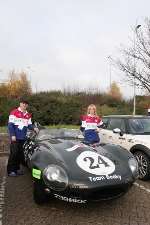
(17, 206)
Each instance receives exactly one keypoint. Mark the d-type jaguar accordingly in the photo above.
(65, 168)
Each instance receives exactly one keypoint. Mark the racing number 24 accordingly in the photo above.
(93, 164)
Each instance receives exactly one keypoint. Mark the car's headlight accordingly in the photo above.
(133, 167)
(55, 177)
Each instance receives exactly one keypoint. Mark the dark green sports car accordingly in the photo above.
(67, 169)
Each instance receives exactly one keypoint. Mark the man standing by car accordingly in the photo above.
(148, 111)
(19, 122)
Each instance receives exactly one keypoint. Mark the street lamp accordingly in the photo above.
(32, 71)
(109, 60)
(134, 85)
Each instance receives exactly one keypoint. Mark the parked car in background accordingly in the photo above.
(133, 134)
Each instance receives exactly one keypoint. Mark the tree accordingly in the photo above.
(115, 92)
(3, 89)
(18, 84)
(134, 61)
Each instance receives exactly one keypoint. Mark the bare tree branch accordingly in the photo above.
(134, 61)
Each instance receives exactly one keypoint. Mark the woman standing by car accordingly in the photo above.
(90, 125)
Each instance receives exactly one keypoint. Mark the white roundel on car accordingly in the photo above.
(95, 163)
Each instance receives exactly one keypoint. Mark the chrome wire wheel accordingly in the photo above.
(143, 164)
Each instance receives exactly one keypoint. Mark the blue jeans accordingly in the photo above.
(91, 136)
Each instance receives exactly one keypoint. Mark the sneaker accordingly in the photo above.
(12, 174)
(20, 172)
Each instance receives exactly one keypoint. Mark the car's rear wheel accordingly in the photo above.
(39, 194)
(144, 165)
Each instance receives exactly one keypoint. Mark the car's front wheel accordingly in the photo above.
(143, 164)
(39, 194)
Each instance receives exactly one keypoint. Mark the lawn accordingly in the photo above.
(4, 129)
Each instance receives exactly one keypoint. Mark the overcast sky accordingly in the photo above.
(66, 43)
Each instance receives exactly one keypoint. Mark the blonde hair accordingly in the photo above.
(92, 106)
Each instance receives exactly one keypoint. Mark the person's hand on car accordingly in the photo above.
(36, 130)
(97, 130)
(13, 138)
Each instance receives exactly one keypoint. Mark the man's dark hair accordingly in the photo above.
(24, 100)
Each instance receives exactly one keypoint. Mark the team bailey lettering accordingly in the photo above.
(97, 178)
(107, 177)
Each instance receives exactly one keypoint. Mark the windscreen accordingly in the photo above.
(58, 133)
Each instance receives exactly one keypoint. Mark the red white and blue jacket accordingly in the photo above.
(91, 122)
(89, 126)
(18, 123)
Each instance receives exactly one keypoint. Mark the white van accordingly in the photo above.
(132, 133)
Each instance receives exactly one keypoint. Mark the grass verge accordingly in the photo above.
(4, 128)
